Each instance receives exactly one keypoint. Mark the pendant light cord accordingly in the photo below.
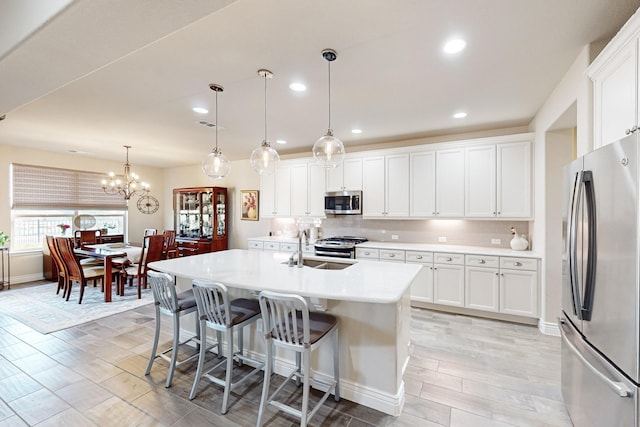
(216, 121)
(265, 107)
(329, 90)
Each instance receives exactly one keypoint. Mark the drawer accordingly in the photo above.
(391, 255)
(288, 247)
(419, 257)
(367, 253)
(271, 246)
(482, 261)
(256, 244)
(447, 258)
(519, 263)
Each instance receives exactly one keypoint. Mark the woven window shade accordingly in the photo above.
(39, 187)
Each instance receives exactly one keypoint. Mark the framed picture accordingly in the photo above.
(250, 205)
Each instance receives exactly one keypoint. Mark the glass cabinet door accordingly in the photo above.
(207, 214)
(221, 219)
(188, 214)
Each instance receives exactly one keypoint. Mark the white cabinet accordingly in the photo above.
(255, 245)
(346, 176)
(307, 189)
(275, 193)
(422, 287)
(615, 93)
(482, 284)
(450, 183)
(498, 180)
(519, 286)
(367, 253)
(422, 184)
(392, 255)
(448, 279)
(385, 186)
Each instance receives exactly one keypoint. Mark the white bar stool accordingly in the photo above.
(214, 308)
(289, 324)
(168, 301)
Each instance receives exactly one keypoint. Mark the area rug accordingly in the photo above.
(40, 308)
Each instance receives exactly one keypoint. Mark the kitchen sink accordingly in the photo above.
(324, 265)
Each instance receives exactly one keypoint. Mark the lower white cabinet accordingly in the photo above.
(422, 288)
(519, 286)
(448, 279)
(482, 284)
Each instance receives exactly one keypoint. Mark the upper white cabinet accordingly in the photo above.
(275, 193)
(422, 184)
(615, 74)
(346, 176)
(385, 186)
(498, 180)
(307, 189)
(450, 183)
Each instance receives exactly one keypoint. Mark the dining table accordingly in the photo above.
(108, 252)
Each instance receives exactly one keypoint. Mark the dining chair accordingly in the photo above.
(288, 324)
(87, 237)
(62, 277)
(170, 249)
(150, 232)
(151, 251)
(75, 272)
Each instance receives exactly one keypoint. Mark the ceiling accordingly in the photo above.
(92, 76)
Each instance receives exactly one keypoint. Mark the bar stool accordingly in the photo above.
(168, 301)
(289, 324)
(215, 311)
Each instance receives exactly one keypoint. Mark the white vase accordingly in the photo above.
(519, 243)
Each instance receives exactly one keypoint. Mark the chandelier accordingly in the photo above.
(127, 184)
(329, 150)
(264, 159)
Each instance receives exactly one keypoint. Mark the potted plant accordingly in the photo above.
(4, 239)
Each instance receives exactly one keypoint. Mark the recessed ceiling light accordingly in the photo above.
(297, 87)
(281, 141)
(454, 46)
(356, 130)
(200, 110)
(460, 115)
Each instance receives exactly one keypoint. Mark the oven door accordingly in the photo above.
(335, 252)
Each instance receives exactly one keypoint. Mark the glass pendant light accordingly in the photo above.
(329, 150)
(264, 159)
(216, 165)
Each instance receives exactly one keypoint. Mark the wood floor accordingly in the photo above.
(463, 372)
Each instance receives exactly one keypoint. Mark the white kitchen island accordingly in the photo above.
(370, 299)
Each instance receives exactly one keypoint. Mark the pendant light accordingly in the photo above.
(264, 159)
(216, 165)
(329, 150)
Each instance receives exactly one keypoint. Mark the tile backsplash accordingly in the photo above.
(455, 231)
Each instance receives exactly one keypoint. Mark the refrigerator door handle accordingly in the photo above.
(589, 288)
(576, 197)
(620, 388)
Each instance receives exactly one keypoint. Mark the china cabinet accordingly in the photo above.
(200, 219)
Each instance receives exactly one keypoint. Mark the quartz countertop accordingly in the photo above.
(364, 281)
(436, 247)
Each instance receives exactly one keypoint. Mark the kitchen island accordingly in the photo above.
(370, 299)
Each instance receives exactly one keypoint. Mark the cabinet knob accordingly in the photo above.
(392, 255)
(481, 261)
(419, 257)
(367, 253)
(632, 130)
(448, 259)
(517, 264)
(496, 273)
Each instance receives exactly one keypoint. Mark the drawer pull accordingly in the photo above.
(419, 257)
(481, 261)
(367, 253)
(448, 259)
(392, 255)
(517, 264)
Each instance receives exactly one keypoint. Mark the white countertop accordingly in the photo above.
(434, 247)
(364, 281)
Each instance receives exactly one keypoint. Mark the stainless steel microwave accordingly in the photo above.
(343, 202)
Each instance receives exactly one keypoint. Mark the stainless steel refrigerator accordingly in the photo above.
(600, 323)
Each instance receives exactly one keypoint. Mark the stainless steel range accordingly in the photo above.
(339, 247)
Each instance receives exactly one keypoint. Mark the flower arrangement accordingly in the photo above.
(63, 228)
(4, 239)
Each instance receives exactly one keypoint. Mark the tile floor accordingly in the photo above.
(463, 372)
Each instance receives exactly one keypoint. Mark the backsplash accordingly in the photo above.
(456, 231)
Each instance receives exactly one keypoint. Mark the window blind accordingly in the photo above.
(40, 187)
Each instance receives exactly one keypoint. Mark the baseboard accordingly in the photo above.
(549, 328)
(27, 278)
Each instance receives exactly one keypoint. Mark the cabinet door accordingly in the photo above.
(316, 189)
(482, 288)
(422, 287)
(335, 177)
(480, 181)
(422, 184)
(450, 183)
(615, 94)
(514, 180)
(448, 284)
(373, 186)
(283, 191)
(519, 292)
(397, 185)
(268, 195)
(299, 190)
(352, 174)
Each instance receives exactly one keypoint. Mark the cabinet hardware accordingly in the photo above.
(392, 255)
(517, 264)
(448, 259)
(481, 261)
(419, 257)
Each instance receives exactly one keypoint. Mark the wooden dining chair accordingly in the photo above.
(62, 277)
(170, 249)
(87, 237)
(151, 251)
(74, 271)
(150, 232)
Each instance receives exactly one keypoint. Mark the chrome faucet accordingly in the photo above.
(299, 261)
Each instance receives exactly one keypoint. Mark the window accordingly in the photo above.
(49, 201)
